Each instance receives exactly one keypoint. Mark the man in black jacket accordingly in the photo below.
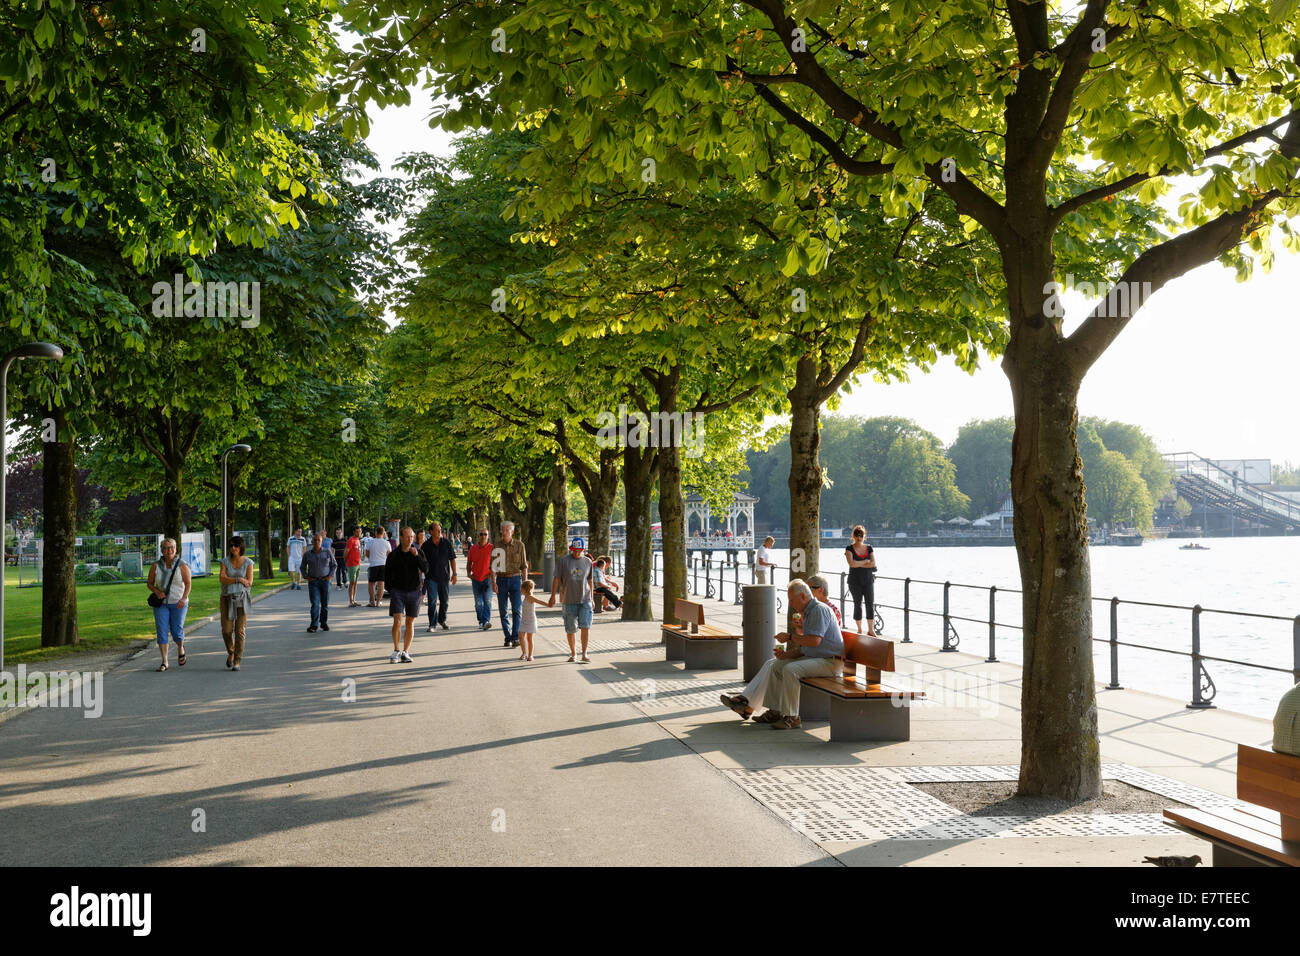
(403, 573)
(441, 558)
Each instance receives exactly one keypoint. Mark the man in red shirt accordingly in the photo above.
(480, 578)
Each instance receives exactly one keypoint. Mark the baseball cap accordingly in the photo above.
(577, 544)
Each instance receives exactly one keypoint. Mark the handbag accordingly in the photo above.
(155, 600)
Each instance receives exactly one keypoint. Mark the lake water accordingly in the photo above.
(1259, 575)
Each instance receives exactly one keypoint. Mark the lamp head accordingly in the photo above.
(45, 350)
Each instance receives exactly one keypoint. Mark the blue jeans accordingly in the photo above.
(436, 589)
(510, 588)
(482, 599)
(170, 618)
(320, 601)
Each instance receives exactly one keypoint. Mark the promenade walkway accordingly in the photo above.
(468, 756)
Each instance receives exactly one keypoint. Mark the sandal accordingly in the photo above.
(570, 660)
(738, 704)
(787, 723)
(767, 717)
(161, 667)
(180, 657)
(585, 659)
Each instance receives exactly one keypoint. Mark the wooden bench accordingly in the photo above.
(1264, 832)
(700, 646)
(866, 709)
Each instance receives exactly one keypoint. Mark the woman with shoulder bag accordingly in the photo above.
(169, 587)
(236, 582)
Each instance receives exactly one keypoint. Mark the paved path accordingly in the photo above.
(466, 756)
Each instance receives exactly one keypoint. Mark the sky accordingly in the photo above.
(1208, 365)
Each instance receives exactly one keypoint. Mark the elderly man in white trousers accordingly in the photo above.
(815, 649)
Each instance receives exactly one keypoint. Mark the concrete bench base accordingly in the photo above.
(674, 647)
(857, 719)
(710, 654)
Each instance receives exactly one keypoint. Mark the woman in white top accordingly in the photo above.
(169, 581)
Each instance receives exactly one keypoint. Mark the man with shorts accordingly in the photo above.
(573, 583)
(404, 570)
(377, 551)
(297, 547)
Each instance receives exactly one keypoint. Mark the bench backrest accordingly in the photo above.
(875, 655)
(689, 613)
(1269, 779)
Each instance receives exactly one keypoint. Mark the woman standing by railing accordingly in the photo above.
(862, 566)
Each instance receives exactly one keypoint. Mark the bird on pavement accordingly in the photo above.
(1172, 860)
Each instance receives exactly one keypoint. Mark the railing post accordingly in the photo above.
(695, 574)
(1114, 645)
(907, 611)
(1295, 649)
(1199, 701)
(993, 628)
(843, 578)
(946, 624)
(735, 581)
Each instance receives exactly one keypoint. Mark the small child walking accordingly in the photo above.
(528, 621)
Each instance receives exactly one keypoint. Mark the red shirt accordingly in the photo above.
(480, 561)
(353, 557)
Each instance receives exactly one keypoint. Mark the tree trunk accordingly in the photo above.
(59, 565)
(172, 497)
(672, 506)
(560, 511)
(805, 480)
(495, 517)
(639, 466)
(1060, 752)
(286, 532)
(265, 567)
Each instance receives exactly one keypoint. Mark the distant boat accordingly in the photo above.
(1130, 539)
(1192, 547)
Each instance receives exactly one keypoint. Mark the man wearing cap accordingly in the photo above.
(573, 582)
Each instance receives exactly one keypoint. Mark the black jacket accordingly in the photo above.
(402, 570)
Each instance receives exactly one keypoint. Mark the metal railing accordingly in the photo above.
(716, 575)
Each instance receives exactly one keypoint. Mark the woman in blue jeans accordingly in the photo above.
(169, 580)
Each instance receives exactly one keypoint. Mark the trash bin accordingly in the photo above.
(758, 626)
(548, 570)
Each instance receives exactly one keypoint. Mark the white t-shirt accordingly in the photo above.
(378, 549)
(764, 555)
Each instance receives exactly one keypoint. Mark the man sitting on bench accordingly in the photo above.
(814, 649)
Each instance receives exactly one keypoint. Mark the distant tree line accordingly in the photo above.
(891, 473)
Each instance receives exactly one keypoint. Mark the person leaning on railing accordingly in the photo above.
(862, 565)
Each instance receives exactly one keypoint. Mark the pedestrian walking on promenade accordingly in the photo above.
(297, 546)
(763, 561)
(377, 550)
(440, 555)
(169, 587)
(862, 578)
(573, 584)
(404, 569)
(511, 563)
(528, 620)
(352, 558)
(236, 576)
(814, 649)
(318, 568)
(478, 565)
(340, 559)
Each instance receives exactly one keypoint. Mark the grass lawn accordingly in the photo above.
(108, 615)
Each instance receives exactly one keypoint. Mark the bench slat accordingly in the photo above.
(1238, 831)
(852, 691)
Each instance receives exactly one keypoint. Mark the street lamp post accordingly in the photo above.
(225, 497)
(342, 514)
(45, 350)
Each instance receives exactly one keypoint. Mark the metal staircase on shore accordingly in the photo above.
(1202, 482)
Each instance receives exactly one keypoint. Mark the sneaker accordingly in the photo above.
(429, 629)
(767, 717)
(324, 627)
(443, 626)
(405, 658)
(312, 629)
(394, 657)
